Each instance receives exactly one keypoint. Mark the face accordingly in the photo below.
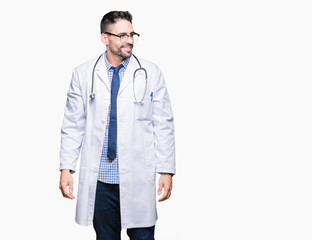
(114, 46)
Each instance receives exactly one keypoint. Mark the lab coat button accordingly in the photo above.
(103, 122)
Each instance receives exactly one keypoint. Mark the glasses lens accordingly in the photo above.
(124, 38)
(135, 37)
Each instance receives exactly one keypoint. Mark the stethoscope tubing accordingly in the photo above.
(92, 95)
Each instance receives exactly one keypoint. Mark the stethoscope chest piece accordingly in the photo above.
(92, 96)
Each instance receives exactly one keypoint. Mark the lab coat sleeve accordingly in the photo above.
(164, 140)
(73, 127)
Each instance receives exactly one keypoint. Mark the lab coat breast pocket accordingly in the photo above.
(143, 111)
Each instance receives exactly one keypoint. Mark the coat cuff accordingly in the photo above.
(170, 171)
(71, 170)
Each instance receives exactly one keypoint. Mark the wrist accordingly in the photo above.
(170, 174)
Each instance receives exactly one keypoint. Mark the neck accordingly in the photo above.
(114, 59)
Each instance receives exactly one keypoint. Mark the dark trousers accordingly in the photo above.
(106, 221)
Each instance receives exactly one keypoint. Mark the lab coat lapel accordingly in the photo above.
(101, 72)
(128, 75)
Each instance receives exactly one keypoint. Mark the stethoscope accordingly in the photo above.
(92, 95)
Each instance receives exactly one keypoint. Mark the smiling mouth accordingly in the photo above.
(128, 47)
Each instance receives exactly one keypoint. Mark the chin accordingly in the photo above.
(127, 54)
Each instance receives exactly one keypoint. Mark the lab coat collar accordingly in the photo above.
(101, 72)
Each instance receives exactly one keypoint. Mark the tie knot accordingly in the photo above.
(116, 69)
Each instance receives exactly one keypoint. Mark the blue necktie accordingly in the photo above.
(112, 131)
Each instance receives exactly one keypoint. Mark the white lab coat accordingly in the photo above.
(145, 139)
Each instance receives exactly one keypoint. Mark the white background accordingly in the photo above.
(239, 78)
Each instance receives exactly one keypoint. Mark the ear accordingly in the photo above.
(104, 39)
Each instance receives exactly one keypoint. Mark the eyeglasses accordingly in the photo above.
(124, 37)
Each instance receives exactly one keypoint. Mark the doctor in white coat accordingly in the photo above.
(145, 134)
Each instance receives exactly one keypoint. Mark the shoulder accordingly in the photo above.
(148, 65)
(86, 66)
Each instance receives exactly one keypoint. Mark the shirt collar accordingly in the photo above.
(108, 65)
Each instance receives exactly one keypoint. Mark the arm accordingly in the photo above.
(72, 133)
(164, 141)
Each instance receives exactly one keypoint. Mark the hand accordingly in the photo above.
(66, 184)
(165, 182)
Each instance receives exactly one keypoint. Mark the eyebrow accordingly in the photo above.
(122, 33)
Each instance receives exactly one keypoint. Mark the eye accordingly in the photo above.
(122, 35)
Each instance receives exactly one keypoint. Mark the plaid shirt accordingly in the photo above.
(109, 170)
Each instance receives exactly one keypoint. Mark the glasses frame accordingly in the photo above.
(122, 35)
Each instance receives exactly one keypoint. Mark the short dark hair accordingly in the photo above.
(111, 17)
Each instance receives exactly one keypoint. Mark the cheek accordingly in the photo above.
(115, 47)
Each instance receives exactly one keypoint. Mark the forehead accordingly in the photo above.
(121, 26)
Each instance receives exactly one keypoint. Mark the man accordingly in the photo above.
(124, 128)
